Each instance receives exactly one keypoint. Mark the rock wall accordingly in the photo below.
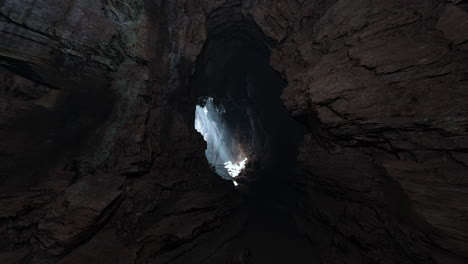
(100, 162)
(381, 85)
(97, 85)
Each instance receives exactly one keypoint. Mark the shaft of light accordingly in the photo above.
(210, 124)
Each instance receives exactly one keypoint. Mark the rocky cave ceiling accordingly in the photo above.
(353, 114)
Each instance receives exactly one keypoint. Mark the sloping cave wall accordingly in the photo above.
(133, 171)
(380, 86)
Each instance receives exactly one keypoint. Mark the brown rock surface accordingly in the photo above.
(383, 81)
(99, 161)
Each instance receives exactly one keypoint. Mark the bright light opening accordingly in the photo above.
(235, 169)
(223, 152)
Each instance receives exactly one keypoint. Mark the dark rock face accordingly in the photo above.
(99, 161)
(382, 86)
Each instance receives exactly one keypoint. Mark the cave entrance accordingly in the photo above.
(223, 151)
(236, 94)
(241, 91)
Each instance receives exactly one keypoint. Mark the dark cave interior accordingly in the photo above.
(61, 125)
(351, 116)
(234, 69)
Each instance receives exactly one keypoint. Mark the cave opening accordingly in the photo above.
(223, 151)
(235, 82)
(235, 85)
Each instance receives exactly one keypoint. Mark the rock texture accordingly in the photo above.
(107, 169)
(382, 87)
(99, 161)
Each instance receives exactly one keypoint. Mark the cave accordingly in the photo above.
(234, 80)
(233, 131)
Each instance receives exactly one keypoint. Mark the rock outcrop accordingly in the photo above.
(381, 85)
(93, 148)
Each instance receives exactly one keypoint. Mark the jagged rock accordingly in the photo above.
(99, 161)
(84, 208)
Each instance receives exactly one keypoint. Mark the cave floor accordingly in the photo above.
(269, 234)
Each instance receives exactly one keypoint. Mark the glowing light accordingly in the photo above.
(221, 150)
(235, 183)
(234, 169)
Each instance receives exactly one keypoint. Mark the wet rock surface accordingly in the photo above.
(100, 163)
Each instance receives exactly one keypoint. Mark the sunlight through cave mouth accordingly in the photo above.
(223, 152)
